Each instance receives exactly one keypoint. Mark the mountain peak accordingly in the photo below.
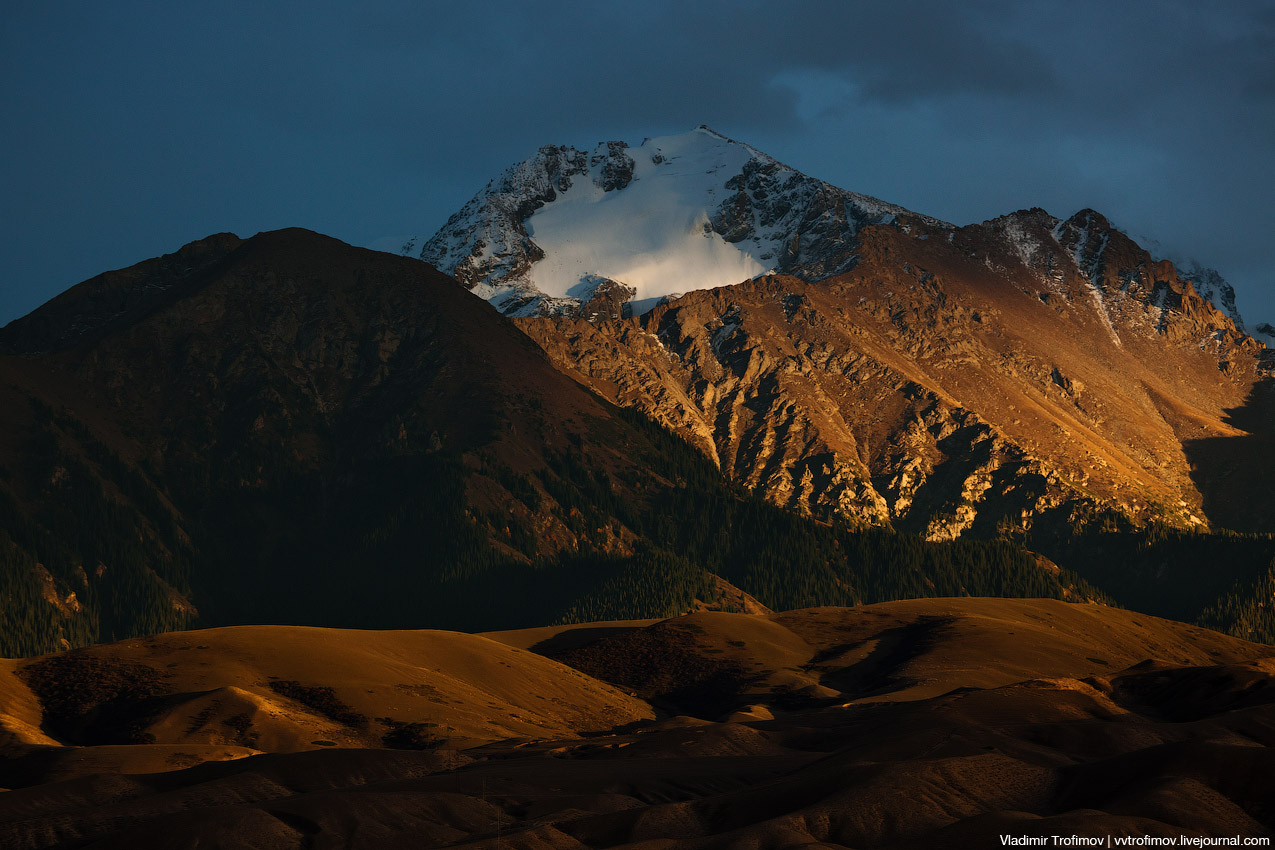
(699, 210)
(1091, 219)
(696, 210)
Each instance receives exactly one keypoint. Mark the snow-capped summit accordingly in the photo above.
(674, 214)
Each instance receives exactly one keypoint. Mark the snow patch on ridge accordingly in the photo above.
(1088, 260)
(655, 235)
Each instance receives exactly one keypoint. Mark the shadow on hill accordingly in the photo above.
(570, 639)
(664, 664)
(880, 672)
(1236, 475)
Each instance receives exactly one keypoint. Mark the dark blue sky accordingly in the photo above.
(133, 127)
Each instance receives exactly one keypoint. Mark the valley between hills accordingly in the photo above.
(906, 535)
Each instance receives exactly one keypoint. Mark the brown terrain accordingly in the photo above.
(214, 436)
(1021, 372)
(924, 723)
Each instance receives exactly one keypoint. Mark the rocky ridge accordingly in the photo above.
(983, 380)
(782, 220)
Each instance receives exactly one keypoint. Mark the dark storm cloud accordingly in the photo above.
(897, 52)
(145, 125)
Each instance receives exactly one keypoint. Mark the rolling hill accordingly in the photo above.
(942, 722)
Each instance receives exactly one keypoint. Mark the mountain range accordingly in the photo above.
(1032, 377)
(849, 403)
(1070, 364)
(543, 234)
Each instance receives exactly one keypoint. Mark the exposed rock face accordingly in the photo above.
(1212, 287)
(981, 380)
(1126, 285)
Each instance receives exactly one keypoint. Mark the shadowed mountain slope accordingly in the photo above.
(300, 431)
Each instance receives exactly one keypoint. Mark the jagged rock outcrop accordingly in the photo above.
(1125, 286)
(604, 298)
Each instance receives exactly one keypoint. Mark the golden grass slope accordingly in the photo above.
(262, 688)
(906, 650)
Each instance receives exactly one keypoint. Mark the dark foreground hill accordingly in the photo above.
(925, 723)
(286, 429)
